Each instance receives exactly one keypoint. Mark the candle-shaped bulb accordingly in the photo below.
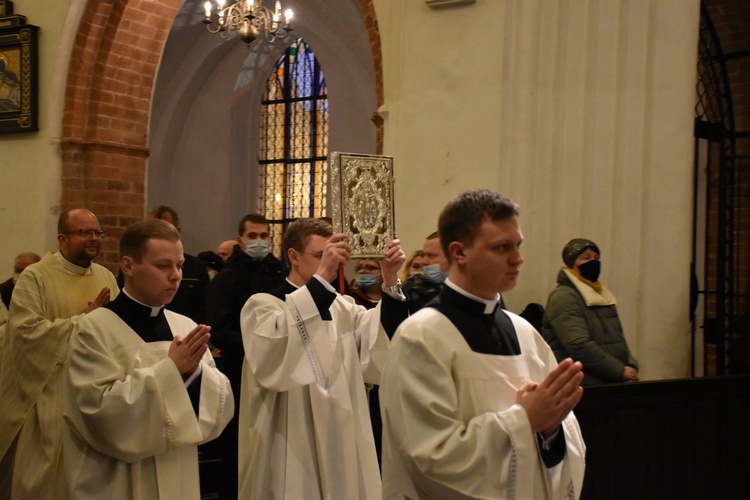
(207, 7)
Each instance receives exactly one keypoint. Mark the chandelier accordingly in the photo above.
(249, 18)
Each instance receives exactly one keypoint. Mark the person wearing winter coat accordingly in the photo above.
(581, 320)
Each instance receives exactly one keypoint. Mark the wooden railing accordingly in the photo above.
(679, 439)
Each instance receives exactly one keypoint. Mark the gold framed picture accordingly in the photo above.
(18, 72)
(362, 202)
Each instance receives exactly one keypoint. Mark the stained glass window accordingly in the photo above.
(294, 141)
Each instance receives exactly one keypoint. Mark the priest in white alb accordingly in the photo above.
(474, 404)
(305, 427)
(142, 387)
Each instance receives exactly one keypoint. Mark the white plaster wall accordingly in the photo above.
(581, 112)
(30, 162)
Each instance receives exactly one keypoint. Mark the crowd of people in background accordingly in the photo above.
(116, 384)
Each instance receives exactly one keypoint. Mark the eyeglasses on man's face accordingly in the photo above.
(89, 233)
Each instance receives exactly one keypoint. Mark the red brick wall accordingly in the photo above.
(110, 83)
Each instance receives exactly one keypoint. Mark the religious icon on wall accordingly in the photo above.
(18, 72)
(10, 85)
(362, 202)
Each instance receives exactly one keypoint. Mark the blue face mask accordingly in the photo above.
(433, 274)
(366, 281)
(257, 249)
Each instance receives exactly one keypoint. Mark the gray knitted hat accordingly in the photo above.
(576, 247)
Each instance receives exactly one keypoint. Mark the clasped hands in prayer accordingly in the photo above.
(101, 299)
(186, 352)
(547, 403)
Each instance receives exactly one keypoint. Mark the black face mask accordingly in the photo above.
(590, 270)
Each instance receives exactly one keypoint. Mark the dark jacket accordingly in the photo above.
(240, 278)
(420, 291)
(6, 291)
(591, 334)
(190, 299)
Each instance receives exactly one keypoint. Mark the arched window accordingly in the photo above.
(294, 141)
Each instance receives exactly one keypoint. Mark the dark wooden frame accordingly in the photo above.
(22, 38)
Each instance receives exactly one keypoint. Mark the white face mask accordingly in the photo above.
(433, 274)
(257, 249)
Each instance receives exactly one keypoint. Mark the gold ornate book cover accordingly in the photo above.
(362, 202)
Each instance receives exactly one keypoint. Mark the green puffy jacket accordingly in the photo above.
(591, 334)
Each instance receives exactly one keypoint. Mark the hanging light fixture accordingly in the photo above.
(249, 18)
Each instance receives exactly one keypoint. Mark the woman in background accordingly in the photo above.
(581, 320)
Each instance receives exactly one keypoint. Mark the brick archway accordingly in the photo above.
(108, 96)
(111, 78)
(371, 24)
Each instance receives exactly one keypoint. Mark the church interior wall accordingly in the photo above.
(579, 111)
(30, 162)
(582, 113)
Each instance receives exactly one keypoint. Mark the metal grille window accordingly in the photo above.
(721, 282)
(294, 141)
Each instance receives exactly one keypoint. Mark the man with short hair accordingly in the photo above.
(422, 288)
(304, 423)
(190, 299)
(474, 404)
(49, 298)
(249, 270)
(142, 389)
(22, 261)
(225, 249)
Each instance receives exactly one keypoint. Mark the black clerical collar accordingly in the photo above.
(289, 282)
(486, 333)
(486, 306)
(152, 311)
(139, 318)
(285, 289)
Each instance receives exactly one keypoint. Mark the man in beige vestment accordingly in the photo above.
(49, 298)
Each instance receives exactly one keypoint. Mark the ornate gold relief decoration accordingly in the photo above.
(362, 202)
